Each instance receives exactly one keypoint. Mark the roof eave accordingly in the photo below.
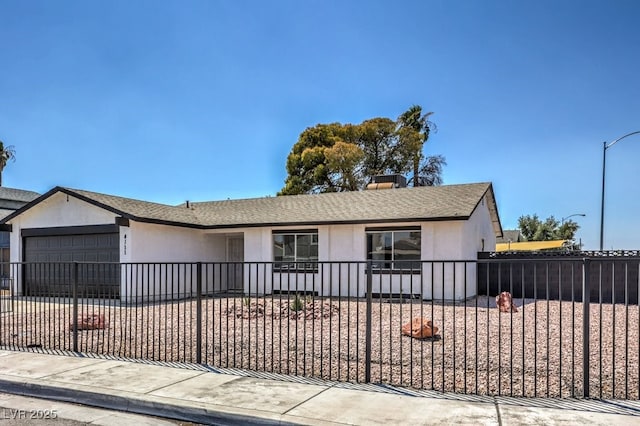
(96, 203)
(493, 211)
(30, 204)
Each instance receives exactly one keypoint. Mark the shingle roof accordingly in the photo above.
(137, 209)
(510, 235)
(424, 203)
(14, 194)
(392, 205)
(11, 199)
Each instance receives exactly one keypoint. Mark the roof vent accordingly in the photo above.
(387, 182)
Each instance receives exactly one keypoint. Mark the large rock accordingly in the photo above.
(90, 322)
(419, 328)
(504, 302)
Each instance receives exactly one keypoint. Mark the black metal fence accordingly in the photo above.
(558, 275)
(342, 321)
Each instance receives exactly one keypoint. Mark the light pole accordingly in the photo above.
(606, 145)
(571, 215)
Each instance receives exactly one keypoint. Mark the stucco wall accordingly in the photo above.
(478, 233)
(161, 243)
(56, 211)
(442, 243)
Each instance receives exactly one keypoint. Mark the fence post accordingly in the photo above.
(367, 368)
(586, 302)
(74, 293)
(199, 313)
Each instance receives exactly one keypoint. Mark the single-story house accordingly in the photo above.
(255, 242)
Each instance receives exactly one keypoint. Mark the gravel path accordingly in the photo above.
(537, 351)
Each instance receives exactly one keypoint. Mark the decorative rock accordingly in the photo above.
(90, 322)
(419, 328)
(504, 302)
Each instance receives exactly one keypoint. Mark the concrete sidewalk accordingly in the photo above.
(196, 394)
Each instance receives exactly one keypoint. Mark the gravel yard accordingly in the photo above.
(537, 351)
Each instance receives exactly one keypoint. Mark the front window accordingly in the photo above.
(295, 250)
(394, 249)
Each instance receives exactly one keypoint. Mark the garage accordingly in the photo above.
(49, 254)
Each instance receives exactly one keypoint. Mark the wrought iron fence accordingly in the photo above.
(344, 321)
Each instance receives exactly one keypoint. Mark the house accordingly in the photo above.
(260, 245)
(533, 245)
(11, 199)
(510, 236)
(513, 240)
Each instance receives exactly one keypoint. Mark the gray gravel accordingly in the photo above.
(536, 351)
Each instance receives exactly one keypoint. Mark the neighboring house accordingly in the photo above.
(533, 245)
(512, 240)
(510, 236)
(441, 223)
(11, 199)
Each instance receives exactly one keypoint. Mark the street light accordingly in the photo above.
(571, 215)
(607, 145)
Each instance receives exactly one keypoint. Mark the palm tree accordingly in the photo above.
(6, 153)
(414, 130)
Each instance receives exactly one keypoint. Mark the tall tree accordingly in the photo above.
(533, 228)
(414, 129)
(342, 161)
(308, 170)
(379, 142)
(343, 157)
(7, 153)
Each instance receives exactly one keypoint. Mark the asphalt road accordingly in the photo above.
(19, 411)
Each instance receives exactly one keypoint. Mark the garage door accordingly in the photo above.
(48, 271)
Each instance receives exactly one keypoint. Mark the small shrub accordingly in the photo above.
(297, 304)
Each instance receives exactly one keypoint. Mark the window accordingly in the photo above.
(295, 250)
(394, 248)
(5, 267)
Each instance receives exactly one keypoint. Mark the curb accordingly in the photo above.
(134, 405)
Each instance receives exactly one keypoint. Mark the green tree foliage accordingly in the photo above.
(378, 140)
(7, 153)
(533, 228)
(414, 129)
(342, 161)
(343, 157)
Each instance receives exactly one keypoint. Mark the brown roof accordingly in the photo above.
(430, 203)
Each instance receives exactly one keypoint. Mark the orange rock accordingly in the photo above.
(90, 322)
(419, 328)
(504, 302)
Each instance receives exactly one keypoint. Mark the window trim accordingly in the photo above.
(392, 262)
(296, 265)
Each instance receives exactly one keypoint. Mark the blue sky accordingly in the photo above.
(170, 101)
